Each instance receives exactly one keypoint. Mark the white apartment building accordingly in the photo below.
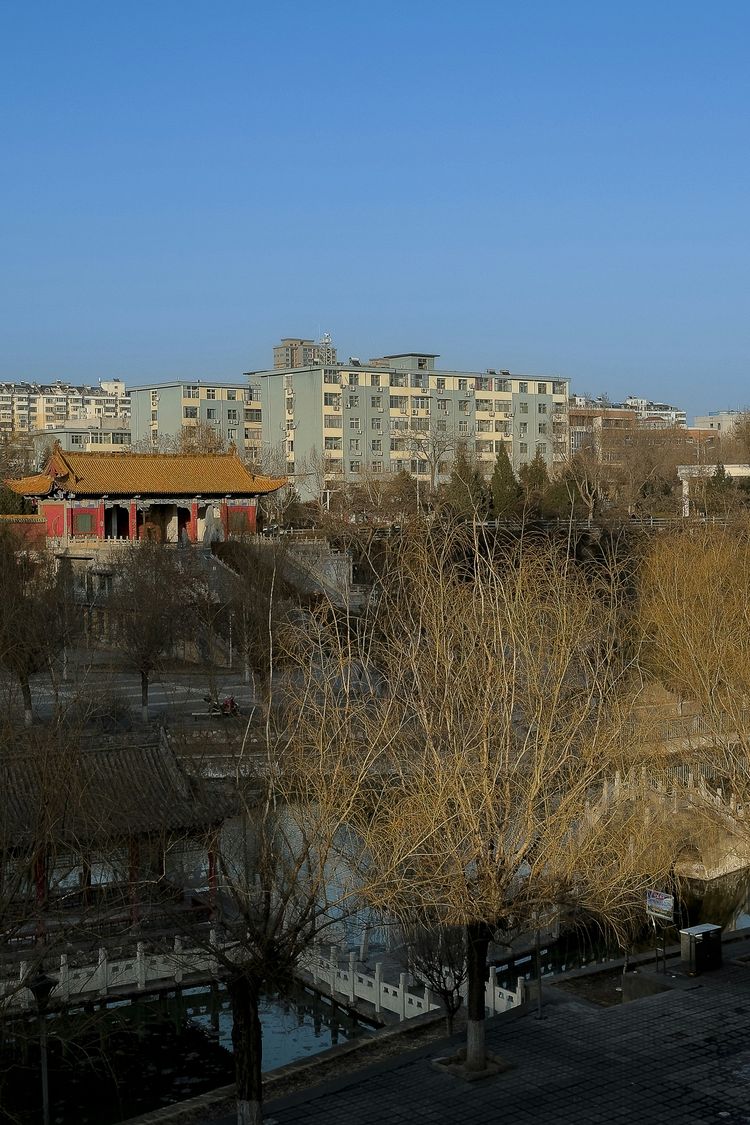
(654, 413)
(332, 423)
(720, 421)
(27, 407)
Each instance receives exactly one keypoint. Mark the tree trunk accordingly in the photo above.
(247, 1043)
(144, 696)
(28, 714)
(477, 941)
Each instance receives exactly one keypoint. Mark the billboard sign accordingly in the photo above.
(660, 905)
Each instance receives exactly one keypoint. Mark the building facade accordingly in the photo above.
(654, 414)
(595, 427)
(26, 407)
(172, 497)
(83, 437)
(335, 423)
(162, 411)
(293, 351)
(719, 421)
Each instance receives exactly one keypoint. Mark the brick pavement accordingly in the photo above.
(681, 1056)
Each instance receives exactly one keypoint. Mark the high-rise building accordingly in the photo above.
(328, 423)
(26, 407)
(294, 352)
(165, 410)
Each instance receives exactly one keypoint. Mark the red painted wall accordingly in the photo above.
(54, 513)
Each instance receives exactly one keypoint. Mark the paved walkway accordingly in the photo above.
(678, 1057)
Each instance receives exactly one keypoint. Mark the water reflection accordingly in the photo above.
(120, 1060)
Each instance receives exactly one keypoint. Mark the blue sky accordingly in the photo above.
(548, 187)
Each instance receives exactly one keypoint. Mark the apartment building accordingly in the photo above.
(654, 414)
(719, 421)
(594, 426)
(330, 423)
(296, 352)
(98, 436)
(27, 407)
(163, 410)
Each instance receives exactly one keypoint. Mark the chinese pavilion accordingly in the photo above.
(170, 497)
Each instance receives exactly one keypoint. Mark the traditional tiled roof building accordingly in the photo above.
(172, 497)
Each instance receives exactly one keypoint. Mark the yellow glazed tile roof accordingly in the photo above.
(148, 474)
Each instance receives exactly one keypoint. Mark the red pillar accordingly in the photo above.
(100, 521)
(69, 519)
(192, 528)
(133, 521)
(40, 891)
(212, 882)
(251, 517)
(134, 870)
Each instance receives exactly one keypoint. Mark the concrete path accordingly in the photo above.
(679, 1057)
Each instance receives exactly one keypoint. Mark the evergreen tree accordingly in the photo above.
(466, 493)
(505, 489)
(535, 483)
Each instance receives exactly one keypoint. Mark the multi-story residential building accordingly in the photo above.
(654, 413)
(26, 407)
(336, 422)
(592, 424)
(295, 352)
(164, 410)
(103, 434)
(720, 421)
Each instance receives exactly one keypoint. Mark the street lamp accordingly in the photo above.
(40, 986)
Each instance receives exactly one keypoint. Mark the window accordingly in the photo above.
(502, 385)
(399, 380)
(542, 408)
(421, 425)
(398, 402)
(211, 392)
(352, 400)
(330, 398)
(523, 388)
(83, 523)
(523, 447)
(377, 466)
(463, 384)
(354, 424)
(231, 435)
(499, 446)
(442, 425)
(440, 384)
(231, 396)
(354, 445)
(376, 402)
(443, 405)
(252, 416)
(558, 388)
(483, 384)
(541, 388)
(154, 415)
(463, 427)
(542, 427)
(354, 466)
(421, 402)
(523, 407)
(232, 416)
(191, 392)
(377, 445)
(376, 424)
(332, 421)
(353, 378)
(333, 443)
(484, 446)
(484, 404)
(76, 439)
(541, 448)
(211, 413)
(375, 380)
(190, 411)
(484, 425)
(463, 406)
(121, 439)
(523, 429)
(331, 377)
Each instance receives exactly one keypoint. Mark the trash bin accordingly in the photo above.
(700, 948)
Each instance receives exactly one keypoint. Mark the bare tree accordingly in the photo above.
(148, 604)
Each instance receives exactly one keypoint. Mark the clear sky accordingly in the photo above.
(548, 187)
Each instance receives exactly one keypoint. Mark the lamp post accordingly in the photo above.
(41, 985)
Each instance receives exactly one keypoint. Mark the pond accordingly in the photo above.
(111, 1063)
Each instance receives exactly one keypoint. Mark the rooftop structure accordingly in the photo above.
(170, 497)
(294, 351)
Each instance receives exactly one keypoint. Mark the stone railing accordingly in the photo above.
(338, 978)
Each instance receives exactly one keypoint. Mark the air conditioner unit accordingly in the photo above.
(337, 409)
(414, 411)
(440, 390)
(380, 410)
(403, 410)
